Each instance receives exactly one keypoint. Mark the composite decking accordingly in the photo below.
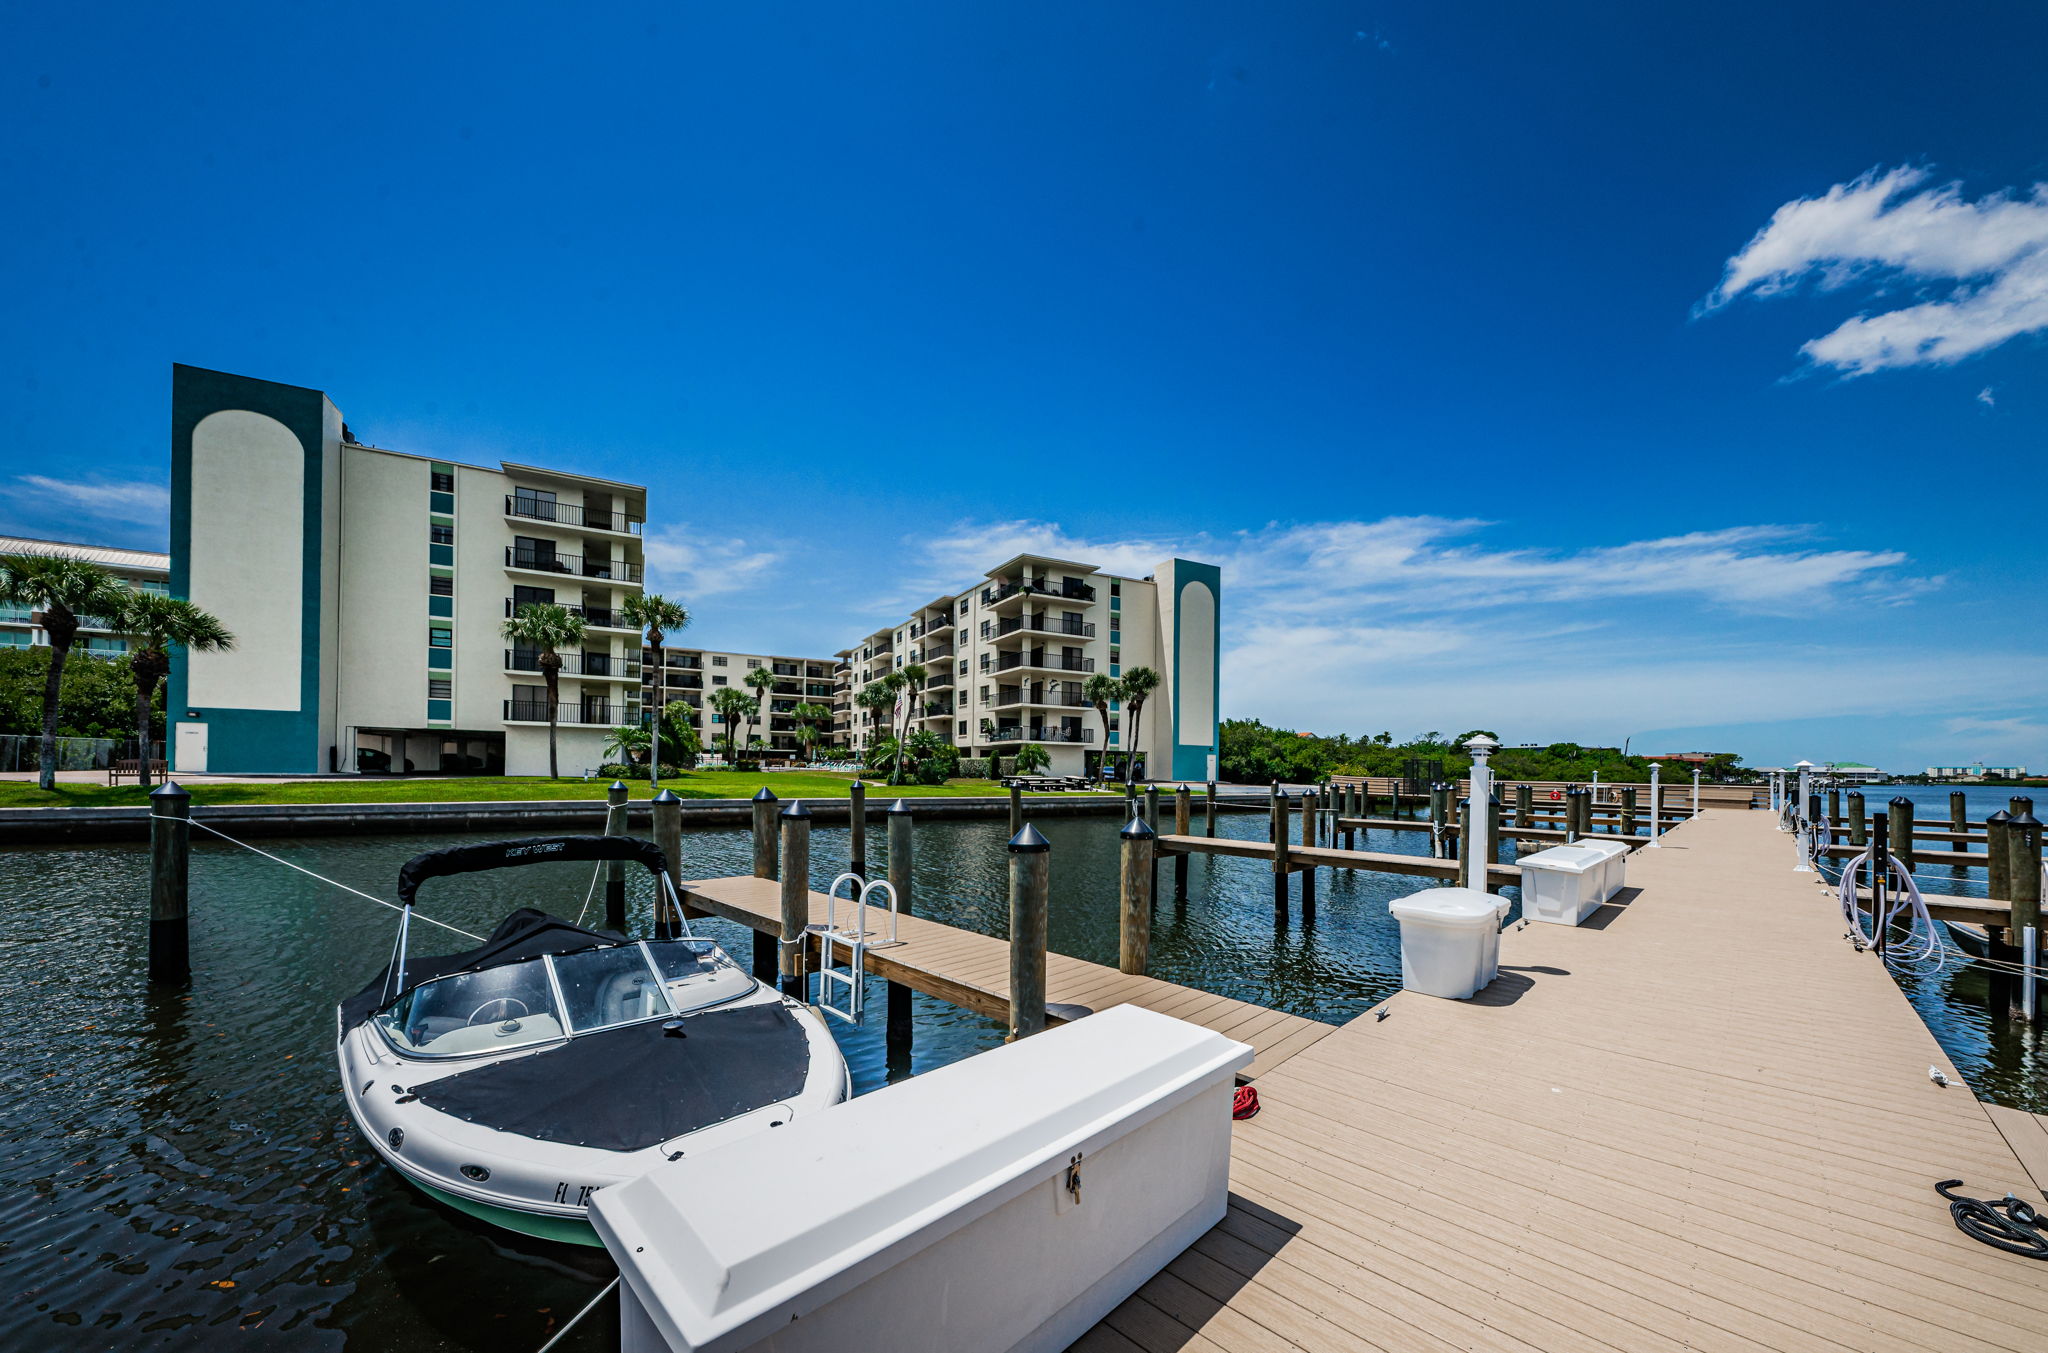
(1701, 1121)
(973, 970)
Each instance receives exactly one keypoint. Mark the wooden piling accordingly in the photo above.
(1525, 805)
(896, 1036)
(1958, 816)
(1275, 821)
(1628, 810)
(2023, 863)
(796, 897)
(1030, 888)
(767, 967)
(857, 829)
(615, 796)
(1900, 829)
(1859, 828)
(668, 835)
(1183, 820)
(170, 869)
(1209, 810)
(1016, 809)
(1997, 857)
(1834, 818)
(1134, 947)
(1280, 843)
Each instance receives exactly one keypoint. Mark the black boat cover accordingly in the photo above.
(526, 933)
(628, 1088)
(531, 850)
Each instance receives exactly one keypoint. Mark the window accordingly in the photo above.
(963, 668)
(718, 681)
(440, 636)
(441, 585)
(1116, 589)
(440, 688)
(443, 607)
(443, 481)
(441, 535)
(719, 662)
(963, 728)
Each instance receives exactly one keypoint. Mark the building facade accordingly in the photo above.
(143, 570)
(368, 588)
(694, 676)
(1976, 773)
(1007, 659)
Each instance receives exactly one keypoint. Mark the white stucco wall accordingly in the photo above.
(248, 491)
(383, 569)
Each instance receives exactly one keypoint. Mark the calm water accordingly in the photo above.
(180, 1171)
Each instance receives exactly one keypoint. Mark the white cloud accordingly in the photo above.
(1989, 259)
(138, 502)
(689, 566)
(1988, 399)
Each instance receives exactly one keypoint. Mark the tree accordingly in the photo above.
(1102, 691)
(64, 589)
(1466, 737)
(876, 698)
(811, 720)
(1031, 759)
(626, 742)
(660, 617)
(681, 743)
(911, 678)
(1138, 683)
(546, 628)
(156, 624)
(763, 683)
(734, 708)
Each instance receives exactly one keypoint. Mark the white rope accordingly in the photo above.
(1933, 952)
(579, 1315)
(367, 897)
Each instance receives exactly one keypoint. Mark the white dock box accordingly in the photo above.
(1450, 941)
(1008, 1201)
(1565, 884)
(1615, 875)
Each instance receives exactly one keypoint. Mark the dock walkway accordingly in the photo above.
(1701, 1121)
(972, 970)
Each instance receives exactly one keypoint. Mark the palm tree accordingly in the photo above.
(627, 741)
(913, 676)
(810, 721)
(155, 624)
(1102, 691)
(546, 627)
(734, 707)
(1138, 683)
(64, 588)
(762, 682)
(660, 617)
(877, 697)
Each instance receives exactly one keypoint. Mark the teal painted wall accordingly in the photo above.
(1193, 746)
(254, 740)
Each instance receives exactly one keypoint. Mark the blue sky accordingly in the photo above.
(1580, 372)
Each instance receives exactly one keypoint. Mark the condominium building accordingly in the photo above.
(145, 571)
(694, 676)
(1006, 660)
(368, 587)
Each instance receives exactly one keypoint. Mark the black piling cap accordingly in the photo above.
(796, 809)
(667, 796)
(2000, 816)
(1137, 829)
(766, 795)
(1029, 842)
(170, 789)
(899, 807)
(1902, 802)
(619, 786)
(2021, 804)
(2022, 820)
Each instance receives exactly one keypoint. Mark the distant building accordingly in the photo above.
(1976, 773)
(1687, 758)
(143, 570)
(694, 676)
(1856, 772)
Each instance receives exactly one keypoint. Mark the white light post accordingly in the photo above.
(1805, 769)
(1656, 806)
(1695, 791)
(1480, 806)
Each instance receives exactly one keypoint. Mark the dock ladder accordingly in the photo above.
(848, 979)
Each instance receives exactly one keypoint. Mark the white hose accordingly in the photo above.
(1932, 951)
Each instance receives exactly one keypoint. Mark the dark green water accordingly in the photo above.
(180, 1172)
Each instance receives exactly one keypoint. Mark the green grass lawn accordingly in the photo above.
(710, 784)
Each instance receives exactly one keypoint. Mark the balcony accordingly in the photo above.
(1037, 624)
(529, 508)
(942, 649)
(1044, 693)
(1041, 660)
(574, 565)
(1037, 733)
(941, 677)
(590, 714)
(937, 709)
(1036, 587)
(593, 616)
(576, 664)
(685, 681)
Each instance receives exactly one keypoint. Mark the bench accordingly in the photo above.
(131, 769)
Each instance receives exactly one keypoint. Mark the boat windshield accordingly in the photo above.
(470, 1012)
(515, 1004)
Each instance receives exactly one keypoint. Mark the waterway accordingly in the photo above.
(180, 1171)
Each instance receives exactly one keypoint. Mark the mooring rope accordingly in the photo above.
(337, 883)
(1932, 954)
(593, 1306)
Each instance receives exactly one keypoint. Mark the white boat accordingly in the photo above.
(515, 1080)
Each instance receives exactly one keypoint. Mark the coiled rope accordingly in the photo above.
(1924, 946)
(2008, 1224)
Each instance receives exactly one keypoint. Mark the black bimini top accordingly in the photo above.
(632, 1087)
(526, 933)
(529, 850)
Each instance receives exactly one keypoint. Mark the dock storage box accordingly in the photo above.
(1008, 1201)
(1565, 884)
(1614, 874)
(1450, 941)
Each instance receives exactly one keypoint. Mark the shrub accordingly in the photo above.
(974, 768)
